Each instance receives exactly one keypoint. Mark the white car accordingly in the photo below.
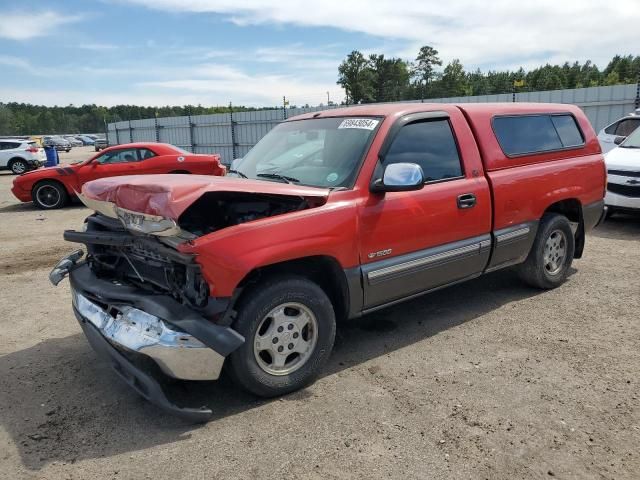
(20, 155)
(623, 175)
(622, 127)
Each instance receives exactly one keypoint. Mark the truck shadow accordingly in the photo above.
(619, 227)
(58, 402)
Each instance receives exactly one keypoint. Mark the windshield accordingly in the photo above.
(319, 152)
(633, 140)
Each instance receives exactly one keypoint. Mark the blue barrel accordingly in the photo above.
(52, 156)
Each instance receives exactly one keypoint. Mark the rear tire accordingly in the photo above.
(551, 255)
(18, 166)
(291, 315)
(49, 195)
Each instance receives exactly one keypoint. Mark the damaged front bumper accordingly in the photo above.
(177, 353)
(124, 323)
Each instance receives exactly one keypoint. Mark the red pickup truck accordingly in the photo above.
(330, 216)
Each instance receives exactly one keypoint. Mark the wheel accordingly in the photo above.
(289, 327)
(551, 254)
(49, 195)
(19, 166)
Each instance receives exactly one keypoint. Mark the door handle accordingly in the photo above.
(466, 200)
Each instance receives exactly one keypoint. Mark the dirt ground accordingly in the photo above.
(489, 379)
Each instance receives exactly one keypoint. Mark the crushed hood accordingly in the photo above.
(168, 196)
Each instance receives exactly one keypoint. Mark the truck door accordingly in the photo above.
(411, 242)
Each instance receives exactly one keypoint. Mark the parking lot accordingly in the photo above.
(488, 379)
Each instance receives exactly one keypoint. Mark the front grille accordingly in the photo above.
(632, 191)
(624, 173)
(143, 261)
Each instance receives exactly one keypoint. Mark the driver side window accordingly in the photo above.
(118, 156)
(429, 144)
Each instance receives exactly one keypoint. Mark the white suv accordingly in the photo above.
(20, 155)
(622, 127)
(623, 175)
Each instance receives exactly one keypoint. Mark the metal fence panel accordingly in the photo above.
(212, 134)
(174, 130)
(233, 135)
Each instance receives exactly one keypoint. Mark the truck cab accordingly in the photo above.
(332, 215)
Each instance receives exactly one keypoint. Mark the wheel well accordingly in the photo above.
(15, 159)
(181, 172)
(572, 209)
(325, 271)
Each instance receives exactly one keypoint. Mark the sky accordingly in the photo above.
(254, 52)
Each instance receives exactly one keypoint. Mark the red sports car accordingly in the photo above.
(53, 187)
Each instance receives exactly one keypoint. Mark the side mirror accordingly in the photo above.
(619, 139)
(399, 177)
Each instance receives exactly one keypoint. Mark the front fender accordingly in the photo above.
(228, 255)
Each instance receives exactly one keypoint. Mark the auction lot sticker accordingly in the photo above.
(363, 123)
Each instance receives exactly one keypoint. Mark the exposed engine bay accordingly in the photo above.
(115, 254)
(217, 210)
(118, 252)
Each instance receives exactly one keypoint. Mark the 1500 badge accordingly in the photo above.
(381, 253)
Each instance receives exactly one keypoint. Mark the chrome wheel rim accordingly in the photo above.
(48, 196)
(285, 338)
(19, 167)
(555, 251)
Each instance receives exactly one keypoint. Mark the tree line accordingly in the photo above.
(27, 119)
(375, 78)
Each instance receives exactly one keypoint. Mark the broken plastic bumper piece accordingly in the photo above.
(64, 266)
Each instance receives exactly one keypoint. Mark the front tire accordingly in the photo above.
(551, 255)
(289, 328)
(19, 166)
(49, 195)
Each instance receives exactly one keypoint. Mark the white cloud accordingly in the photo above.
(220, 83)
(26, 66)
(25, 25)
(298, 57)
(500, 33)
(209, 53)
(60, 70)
(98, 47)
(206, 84)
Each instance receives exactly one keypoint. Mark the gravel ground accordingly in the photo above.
(489, 379)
